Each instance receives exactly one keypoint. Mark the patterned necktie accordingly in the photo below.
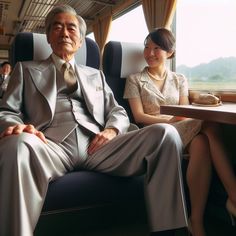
(69, 76)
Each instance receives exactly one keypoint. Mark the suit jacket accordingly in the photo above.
(4, 85)
(32, 93)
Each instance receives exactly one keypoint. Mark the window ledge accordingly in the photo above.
(225, 96)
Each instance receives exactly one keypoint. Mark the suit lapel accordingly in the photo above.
(92, 92)
(44, 78)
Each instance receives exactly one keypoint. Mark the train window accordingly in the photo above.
(205, 39)
(205, 43)
(131, 33)
(122, 26)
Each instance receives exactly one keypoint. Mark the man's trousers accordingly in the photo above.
(27, 165)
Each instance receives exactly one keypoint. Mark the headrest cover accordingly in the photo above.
(132, 58)
(120, 59)
(29, 46)
(42, 49)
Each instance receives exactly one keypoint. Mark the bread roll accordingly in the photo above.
(207, 99)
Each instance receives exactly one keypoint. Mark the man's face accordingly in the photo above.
(64, 35)
(6, 69)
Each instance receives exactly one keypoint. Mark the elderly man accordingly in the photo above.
(76, 122)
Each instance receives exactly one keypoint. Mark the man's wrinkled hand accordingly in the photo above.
(20, 128)
(101, 139)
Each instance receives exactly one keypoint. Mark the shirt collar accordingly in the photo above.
(59, 62)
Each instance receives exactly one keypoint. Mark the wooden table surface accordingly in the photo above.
(225, 113)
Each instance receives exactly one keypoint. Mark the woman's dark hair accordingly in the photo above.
(163, 38)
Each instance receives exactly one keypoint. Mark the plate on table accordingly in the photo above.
(206, 105)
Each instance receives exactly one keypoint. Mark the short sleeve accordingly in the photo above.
(132, 86)
(183, 86)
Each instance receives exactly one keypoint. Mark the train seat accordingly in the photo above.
(81, 200)
(121, 59)
(33, 46)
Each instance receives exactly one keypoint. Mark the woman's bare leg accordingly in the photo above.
(198, 178)
(220, 161)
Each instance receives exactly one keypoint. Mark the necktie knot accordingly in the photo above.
(69, 75)
(66, 66)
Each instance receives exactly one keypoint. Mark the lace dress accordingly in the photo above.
(140, 85)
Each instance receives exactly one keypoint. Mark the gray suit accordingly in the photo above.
(4, 84)
(27, 164)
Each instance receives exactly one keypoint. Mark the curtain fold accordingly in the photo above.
(101, 29)
(159, 13)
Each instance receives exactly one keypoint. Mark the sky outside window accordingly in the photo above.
(130, 27)
(205, 40)
(206, 30)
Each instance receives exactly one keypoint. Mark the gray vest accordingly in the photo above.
(70, 112)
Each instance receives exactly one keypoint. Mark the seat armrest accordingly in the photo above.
(133, 127)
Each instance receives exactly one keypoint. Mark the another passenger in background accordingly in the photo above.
(156, 85)
(4, 76)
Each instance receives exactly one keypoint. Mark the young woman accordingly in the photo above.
(156, 85)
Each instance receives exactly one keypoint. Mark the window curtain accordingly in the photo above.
(101, 30)
(159, 13)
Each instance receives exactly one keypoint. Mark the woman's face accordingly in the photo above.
(154, 55)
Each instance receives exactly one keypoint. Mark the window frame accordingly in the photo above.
(226, 96)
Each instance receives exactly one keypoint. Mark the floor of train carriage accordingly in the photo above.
(214, 227)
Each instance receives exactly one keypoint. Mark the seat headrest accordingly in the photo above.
(33, 46)
(121, 59)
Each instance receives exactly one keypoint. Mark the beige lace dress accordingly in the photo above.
(140, 85)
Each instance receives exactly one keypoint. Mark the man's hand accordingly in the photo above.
(18, 129)
(101, 139)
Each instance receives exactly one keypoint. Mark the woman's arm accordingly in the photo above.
(145, 119)
(183, 100)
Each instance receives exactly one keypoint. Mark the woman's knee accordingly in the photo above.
(199, 145)
(211, 129)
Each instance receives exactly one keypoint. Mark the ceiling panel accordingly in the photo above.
(29, 15)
